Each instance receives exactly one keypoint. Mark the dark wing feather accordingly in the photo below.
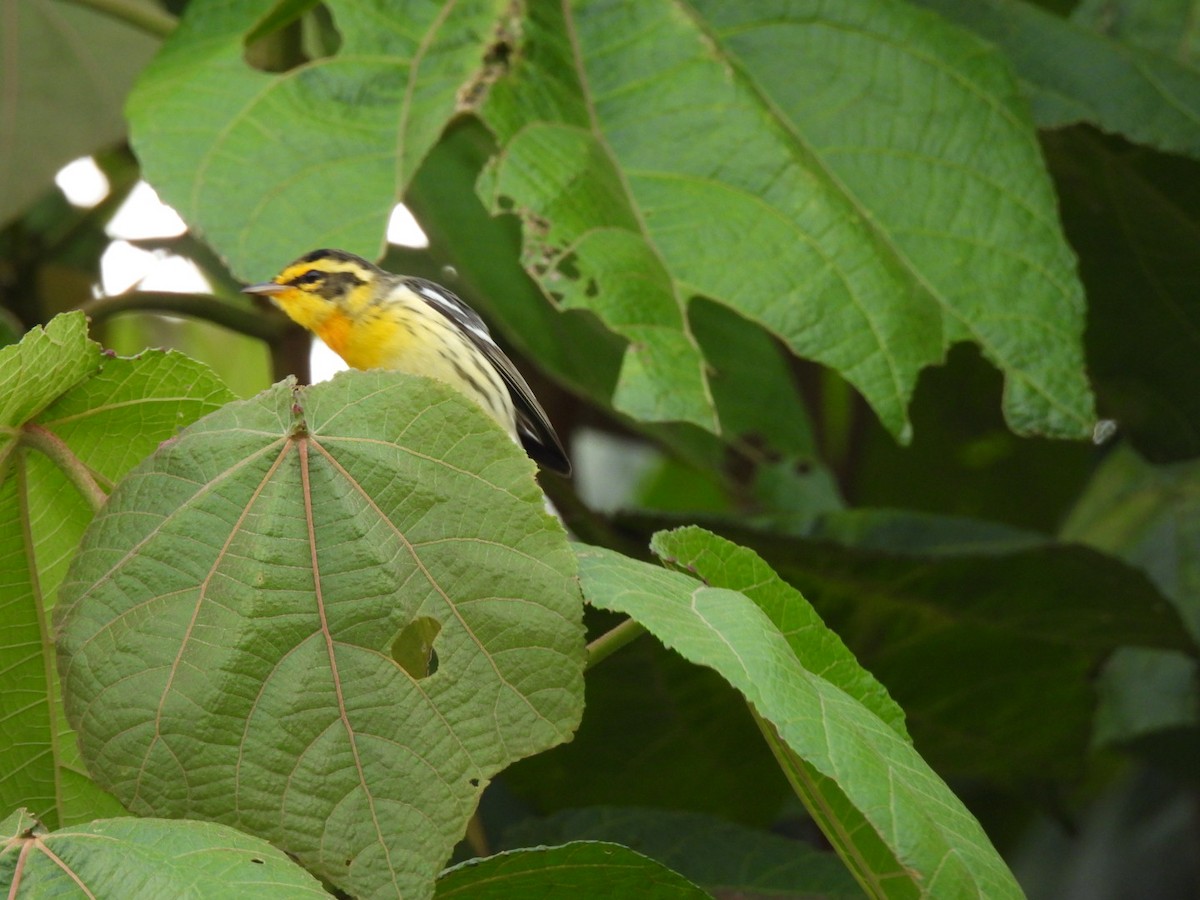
(533, 425)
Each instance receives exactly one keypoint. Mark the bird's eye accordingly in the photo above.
(310, 277)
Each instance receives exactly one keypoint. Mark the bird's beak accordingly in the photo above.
(266, 289)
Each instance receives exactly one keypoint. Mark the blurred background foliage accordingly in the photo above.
(1032, 603)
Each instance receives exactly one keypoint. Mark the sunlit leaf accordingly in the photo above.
(723, 564)
(698, 158)
(269, 165)
(857, 178)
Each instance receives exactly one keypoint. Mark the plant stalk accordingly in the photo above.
(613, 640)
(144, 16)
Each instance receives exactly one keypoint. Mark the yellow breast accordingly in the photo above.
(404, 339)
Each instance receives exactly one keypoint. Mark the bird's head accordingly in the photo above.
(318, 285)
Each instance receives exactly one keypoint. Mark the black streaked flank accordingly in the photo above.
(533, 425)
(475, 385)
(451, 306)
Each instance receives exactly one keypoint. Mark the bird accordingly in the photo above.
(375, 319)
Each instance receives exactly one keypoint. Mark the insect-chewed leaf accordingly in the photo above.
(229, 625)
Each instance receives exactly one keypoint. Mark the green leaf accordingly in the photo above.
(483, 250)
(117, 418)
(1167, 27)
(1073, 74)
(725, 859)
(73, 422)
(144, 859)
(47, 362)
(1136, 239)
(1149, 516)
(723, 564)
(230, 620)
(986, 636)
(268, 166)
(751, 383)
(66, 70)
(1148, 693)
(894, 822)
(242, 362)
(585, 869)
(858, 178)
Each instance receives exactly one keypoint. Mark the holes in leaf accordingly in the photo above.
(291, 33)
(413, 648)
(257, 861)
(568, 265)
(474, 782)
(495, 66)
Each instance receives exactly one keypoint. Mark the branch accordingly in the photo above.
(261, 325)
(613, 640)
(148, 18)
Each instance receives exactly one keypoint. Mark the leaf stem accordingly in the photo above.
(477, 838)
(265, 327)
(52, 446)
(613, 640)
(801, 778)
(145, 16)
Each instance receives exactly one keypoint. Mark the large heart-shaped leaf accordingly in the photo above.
(326, 616)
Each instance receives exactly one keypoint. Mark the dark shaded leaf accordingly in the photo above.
(584, 869)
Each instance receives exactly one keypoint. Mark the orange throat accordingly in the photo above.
(335, 331)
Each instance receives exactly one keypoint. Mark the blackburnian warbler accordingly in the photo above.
(376, 320)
